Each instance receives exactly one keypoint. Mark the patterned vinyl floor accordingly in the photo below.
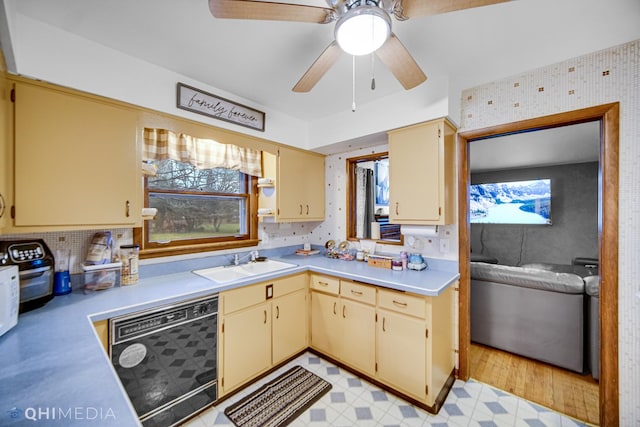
(355, 402)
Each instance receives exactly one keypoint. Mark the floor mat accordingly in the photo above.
(280, 401)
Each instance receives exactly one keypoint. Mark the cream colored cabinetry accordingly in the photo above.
(298, 190)
(77, 161)
(6, 152)
(343, 321)
(260, 326)
(102, 330)
(415, 343)
(402, 340)
(422, 174)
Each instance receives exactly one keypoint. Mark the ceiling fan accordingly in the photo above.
(362, 27)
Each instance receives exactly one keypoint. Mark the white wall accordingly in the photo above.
(610, 75)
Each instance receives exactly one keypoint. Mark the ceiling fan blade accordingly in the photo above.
(398, 59)
(249, 9)
(318, 68)
(413, 8)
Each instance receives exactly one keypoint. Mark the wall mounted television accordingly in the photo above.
(515, 202)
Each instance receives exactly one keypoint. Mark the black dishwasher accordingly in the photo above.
(166, 359)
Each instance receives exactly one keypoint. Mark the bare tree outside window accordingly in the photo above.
(196, 204)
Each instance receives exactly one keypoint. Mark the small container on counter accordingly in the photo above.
(129, 257)
(396, 264)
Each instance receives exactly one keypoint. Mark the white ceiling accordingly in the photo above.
(262, 60)
(577, 143)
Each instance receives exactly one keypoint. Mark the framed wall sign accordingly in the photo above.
(208, 104)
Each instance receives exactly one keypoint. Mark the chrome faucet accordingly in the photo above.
(254, 255)
(236, 259)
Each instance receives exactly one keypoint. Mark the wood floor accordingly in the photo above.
(564, 391)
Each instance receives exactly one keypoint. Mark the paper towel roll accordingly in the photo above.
(375, 230)
(149, 213)
(265, 211)
(419, 230)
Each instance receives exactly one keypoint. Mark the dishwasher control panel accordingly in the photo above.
(142, 323)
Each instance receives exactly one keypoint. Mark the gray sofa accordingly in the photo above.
(532, 312)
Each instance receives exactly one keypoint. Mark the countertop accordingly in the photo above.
(55, 372)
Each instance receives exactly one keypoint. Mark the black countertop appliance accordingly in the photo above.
(36, 267)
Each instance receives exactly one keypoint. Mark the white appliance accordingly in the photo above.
(9, 297)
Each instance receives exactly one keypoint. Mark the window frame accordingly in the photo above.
(351, 164)
(188, 246)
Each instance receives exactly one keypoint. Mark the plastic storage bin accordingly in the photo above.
(102, 276)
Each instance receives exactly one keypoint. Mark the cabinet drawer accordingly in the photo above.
(289, 284)
(402, 303)
(238, 299)
(327, 284)
(358, 292)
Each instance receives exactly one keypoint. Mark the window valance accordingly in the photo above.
(162, 144)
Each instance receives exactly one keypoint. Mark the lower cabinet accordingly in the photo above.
(260, 326)
(343, 320)
(246, 345)
(402, 355)
(288, 325)
(402, 340)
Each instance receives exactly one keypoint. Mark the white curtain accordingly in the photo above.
(364, 202)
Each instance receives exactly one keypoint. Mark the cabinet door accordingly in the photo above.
(414, 170)
(289, 325)
(76, 160)
(358, 324)
(6, 156)
(401, 344)
(326, 334)
(246, 345)
(300, 186)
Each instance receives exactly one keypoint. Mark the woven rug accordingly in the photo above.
(280, 401)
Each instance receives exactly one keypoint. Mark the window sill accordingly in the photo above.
(192, 249)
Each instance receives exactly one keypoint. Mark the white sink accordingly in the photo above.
(224, 274)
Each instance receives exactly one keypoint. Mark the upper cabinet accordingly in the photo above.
(77, 160)
(6, 156)
(297, 190)
(422, 174)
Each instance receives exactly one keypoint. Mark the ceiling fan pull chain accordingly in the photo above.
(353, 84)
(373, 72)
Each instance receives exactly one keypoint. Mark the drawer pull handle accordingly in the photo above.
(344, 316)
(383, 324)
(277, 312)
(358, 293)
(323, 283)
(265, 317)
(307, 209)
(334, 308)
(127, 208)
(397, 204)
(400, 304)
(300, 209)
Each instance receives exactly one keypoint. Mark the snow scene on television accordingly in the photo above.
(517, 202)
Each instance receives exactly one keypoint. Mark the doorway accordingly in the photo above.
(608, 115)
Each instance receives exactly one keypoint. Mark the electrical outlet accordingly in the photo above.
(444, 245)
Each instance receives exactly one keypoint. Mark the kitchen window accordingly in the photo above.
(199, 208)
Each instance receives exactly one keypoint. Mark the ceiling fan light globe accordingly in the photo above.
(363, 30)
